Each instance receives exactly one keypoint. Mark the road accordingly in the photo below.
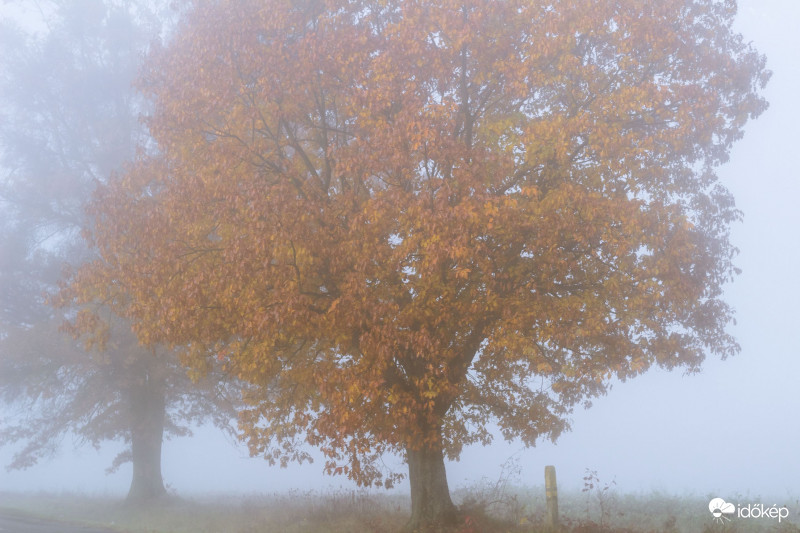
(10, 523)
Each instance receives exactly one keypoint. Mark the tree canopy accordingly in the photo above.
(405, 220)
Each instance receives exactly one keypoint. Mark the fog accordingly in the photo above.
(732, 429)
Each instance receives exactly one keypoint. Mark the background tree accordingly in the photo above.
(404, 220)
(69, 120)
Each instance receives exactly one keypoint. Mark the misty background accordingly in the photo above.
(731, 430)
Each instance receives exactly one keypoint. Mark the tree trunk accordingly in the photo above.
(148, 410)
(431, 506)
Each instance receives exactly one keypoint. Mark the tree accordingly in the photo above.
(403, 220)
(52, 388)
(68, 120)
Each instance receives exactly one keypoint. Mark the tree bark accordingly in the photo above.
(148, 410)
(431, 506)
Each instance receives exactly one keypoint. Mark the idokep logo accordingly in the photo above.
(719, 508)
(722, 510)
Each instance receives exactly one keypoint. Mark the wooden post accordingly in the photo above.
(551, 493)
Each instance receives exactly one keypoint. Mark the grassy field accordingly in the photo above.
(485, 508)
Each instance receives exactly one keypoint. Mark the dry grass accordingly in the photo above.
(292, 512)
(486, 508)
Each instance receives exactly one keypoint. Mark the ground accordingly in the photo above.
(486, 508)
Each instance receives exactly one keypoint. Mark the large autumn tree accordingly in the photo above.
(406, 219)
(68, 120)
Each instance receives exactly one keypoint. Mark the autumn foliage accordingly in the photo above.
(406, 219)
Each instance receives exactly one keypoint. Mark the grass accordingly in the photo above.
(292, 512)
(486, 508)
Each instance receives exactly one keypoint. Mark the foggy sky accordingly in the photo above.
(733, 429)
